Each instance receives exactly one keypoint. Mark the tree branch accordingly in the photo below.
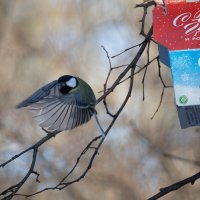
(175, 186)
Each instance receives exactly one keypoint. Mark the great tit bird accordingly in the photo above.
(62, 104)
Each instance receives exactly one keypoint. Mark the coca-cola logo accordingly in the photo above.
(189, 21)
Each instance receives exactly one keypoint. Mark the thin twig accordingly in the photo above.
(163, 88)
(137, 45)
(106, 83)
(161, 99)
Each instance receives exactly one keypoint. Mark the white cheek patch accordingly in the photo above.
(71, 82)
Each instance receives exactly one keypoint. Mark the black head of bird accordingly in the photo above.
(62, 104)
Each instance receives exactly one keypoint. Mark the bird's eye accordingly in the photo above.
(72, 82)
(65, 89)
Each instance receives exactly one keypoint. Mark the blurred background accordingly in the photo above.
(42, 40)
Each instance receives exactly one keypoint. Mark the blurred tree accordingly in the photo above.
(42, 40)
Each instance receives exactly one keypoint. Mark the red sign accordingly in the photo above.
(179, 28)
(174, 1)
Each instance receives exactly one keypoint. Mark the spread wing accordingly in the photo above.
(38, 95)
(60, 113)
(54, 111)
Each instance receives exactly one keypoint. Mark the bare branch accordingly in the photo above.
(175, 186)
(145, 6)
(131, 65)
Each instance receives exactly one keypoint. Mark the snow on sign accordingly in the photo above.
(185, 68)
(179, 28)
(186, 76)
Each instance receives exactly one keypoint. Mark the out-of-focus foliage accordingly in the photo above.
(42, 40)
